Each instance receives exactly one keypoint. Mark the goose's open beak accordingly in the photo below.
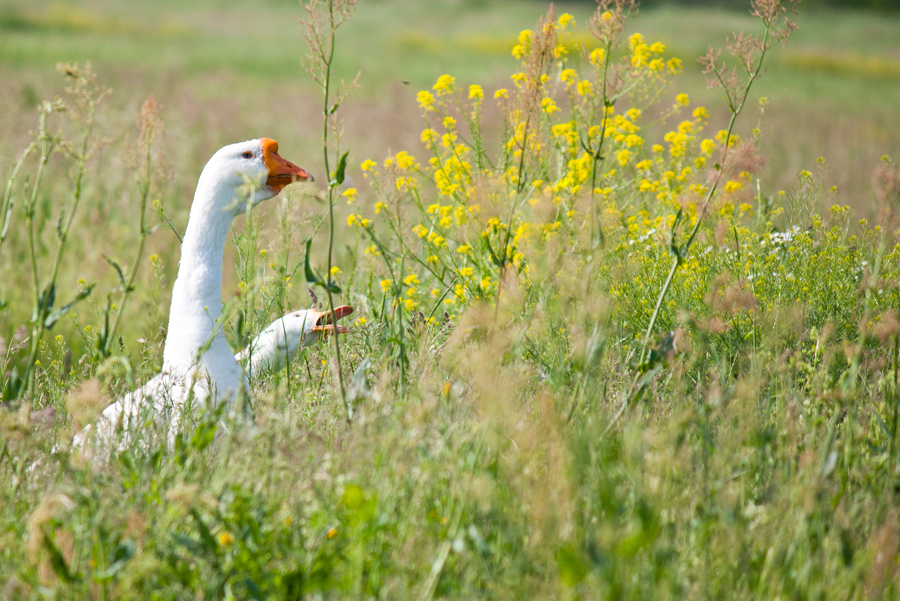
(281, 171)
(325, 323)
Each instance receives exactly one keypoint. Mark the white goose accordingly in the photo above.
(198, 365)
(284, 337)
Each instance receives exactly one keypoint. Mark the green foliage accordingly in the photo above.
(596, 356)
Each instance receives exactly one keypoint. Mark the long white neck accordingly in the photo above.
(197, 294)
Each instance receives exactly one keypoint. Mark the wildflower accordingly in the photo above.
(564, 20)
(501, 93)
(411, 280)
(428, 135)
(549, 106)
(560, 51)
(584, 88)
(351, 220)
(445, 84)
(225, 539)
(657, 47)
(361, 321)
(385, 285)
(701, 113)
(331, 533)
(368, 165)
(379, 206)
(465, 248)
(335, 271)
(410, 304)
(597, 56)
(350, 195)
(682, 99)
(405, 161)
(568, 76)
(426, 100)
(476, 92)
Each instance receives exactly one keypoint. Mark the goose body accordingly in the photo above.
(198, 365)
(277, 344)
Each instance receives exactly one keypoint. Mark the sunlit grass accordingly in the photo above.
(557, 391)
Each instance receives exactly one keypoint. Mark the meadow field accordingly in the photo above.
(618, 334)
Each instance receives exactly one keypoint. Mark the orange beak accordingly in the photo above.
(281, 171)
(325, 323)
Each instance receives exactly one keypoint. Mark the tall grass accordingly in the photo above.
(596, 356)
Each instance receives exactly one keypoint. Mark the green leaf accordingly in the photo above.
(571, 569)
(311, 277)
(341, 168)
(122, 281)
(52, 318)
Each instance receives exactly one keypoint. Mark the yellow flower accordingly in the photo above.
(549, 106)
(335, 270)
(568, 76)
(465, 248)
(565, 19)
(445, 84)
(410, 304)
(361, 321)
(682, 100)
(368, 165)
(466, 271)
(501, 93)
(701, 113)
(225, 539)
(560, 51)
(476, 92)
(350, 195)
(584, 88)
(351, 220)
(657, 47)
(331, 533)
(426, 100)
(411, 280)
(428, 135)
(406, 161)
(733, 186)
(598, 55)
(385, 285)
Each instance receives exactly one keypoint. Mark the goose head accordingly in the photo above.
(304, 328)
(240, 176)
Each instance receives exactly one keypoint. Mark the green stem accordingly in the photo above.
(331, 190)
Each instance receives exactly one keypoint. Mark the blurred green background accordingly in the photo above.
(228, 70)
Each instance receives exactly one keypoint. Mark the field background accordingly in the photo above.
(753, 466)
(225, 72)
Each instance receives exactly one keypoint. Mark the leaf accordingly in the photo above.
(341, 168)
(122, 281)
(52, 318)
(205, 535)
(571, 569)
(46, 299)
(311, 277)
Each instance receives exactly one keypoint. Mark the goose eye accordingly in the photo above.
(247, 154)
